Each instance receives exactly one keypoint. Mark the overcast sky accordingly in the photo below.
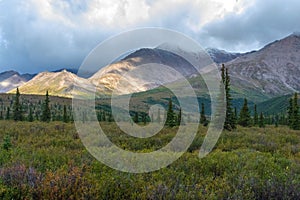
(38, 35)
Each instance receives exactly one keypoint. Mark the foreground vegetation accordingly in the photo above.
(48, 161)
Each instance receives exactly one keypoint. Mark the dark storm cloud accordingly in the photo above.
(260, 24)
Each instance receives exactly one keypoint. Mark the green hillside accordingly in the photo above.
(275, 105)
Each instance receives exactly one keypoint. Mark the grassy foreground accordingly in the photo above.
(48, 161)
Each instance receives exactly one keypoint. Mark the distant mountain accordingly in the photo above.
(221, 56)
(274, 70)
(57, 83)
(12, 79)
(61, 82)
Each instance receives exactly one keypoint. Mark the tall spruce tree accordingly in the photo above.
(261, 123)
(37, 115)
(203, 119)
(230, 121)
(65, 115)
(255, 118)
(46, 114)
(17, 108)
(179, 118)
(245, 117)
(276, 120)
(170, 121)
(236, 115)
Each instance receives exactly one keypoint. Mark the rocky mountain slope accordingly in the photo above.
(275, 69)
(111, 75)
(221, 56)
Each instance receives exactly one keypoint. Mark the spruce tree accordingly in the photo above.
(236, 117)
(179, 118)
(136, 117)
(261, 121)
(293, 113)
(17, 108)
(170, 121)
(46, 114)
(65, 115)
(1, 115)
(245, 117)
(7, 113)
(144, 118)
(110, 117)
(230, 121)
(71, 118)
(30, 116)
(104, 116)
(37, 117)
(255, 118)
(276, 120)
(57, 116)
(99, 116)
(203, 119)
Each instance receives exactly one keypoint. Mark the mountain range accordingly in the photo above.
(269, 72)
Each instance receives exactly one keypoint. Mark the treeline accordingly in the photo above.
(173, 117)
(25, 110)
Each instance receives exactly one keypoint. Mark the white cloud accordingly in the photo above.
(116, 13)
(111, 14)
(192, 14)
